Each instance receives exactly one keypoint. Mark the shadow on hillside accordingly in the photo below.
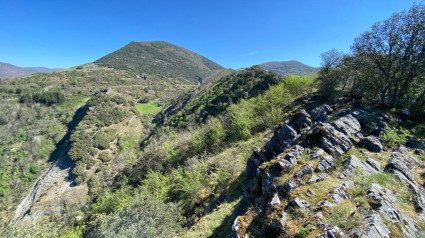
(60, 155)
(235, 191)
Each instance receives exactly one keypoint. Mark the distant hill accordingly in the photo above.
(161, 58)
(289, 67)
(13, 71)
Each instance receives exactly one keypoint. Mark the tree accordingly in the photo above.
(395, 47)
(331, 75)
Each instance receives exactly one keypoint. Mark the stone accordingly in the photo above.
(293, 157)
(303, 120)
(332, 232)
(283, 166)
(339, 193)
(348, 125)
(317, 154)
(397, 164)
(284, 134)
(317, 178)
(299, 203)
(374, 164)
(239, 226)
(320, 114)
(252, 167)
(403, 149)
(310, 193)
(372, 143)
(288, 186)
(419, 152)
(354, 165)
(275, 201)
(307, 169)
(329, 139)
(297, 148)
(375, 226)
(326, 165)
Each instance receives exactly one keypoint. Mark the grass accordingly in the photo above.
(148, 108)
(125, 79)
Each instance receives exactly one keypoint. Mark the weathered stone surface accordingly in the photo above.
(383, 201)
(329, 139)
(332, 232)
(372, 143)
(275, 200)
(396, 164)
(348, 125)
(310, 193)
(266, 183)
(419, 152)
(326, 165)
(293, 157)
(374, 164)
(320, 114)
(239, 227)
(317, 154)
(303, 120)
(288, 186)
(307, 169)
(283, 166)
(299, 203)
(339, 193)
(375, 226)
(317, 178)
(284, 134)
(297, 148)
(354, 164)
(252, 167)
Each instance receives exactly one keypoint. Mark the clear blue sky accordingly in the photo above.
(235, 34)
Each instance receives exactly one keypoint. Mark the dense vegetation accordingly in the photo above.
(160, 58)
(289, 67)
(387, 64)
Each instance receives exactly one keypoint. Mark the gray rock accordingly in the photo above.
(396, 164)
(348, 125)
(329, 139)
(419, 152)
(339, 193)
(374, 164)
(332, 232)
(403, 149)
(375, 226)
(293, 157)
(372, 143)
(303, 120)
(289, 186)
(299, 203)
(283, 166)
(281, 223)
(354, 164)
(266, 183)
(317, 154)
(252, 167)
(326, 165)
(317, 178)
(275, 201)
(307, 169)
(383, 201)
(310, 193)
(285, 134)
(320, 114)
(297, 148)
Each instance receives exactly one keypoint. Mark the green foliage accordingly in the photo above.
(178, 62)
(52, 96)
(302, 233)
(148, 108)
(344, 216)
(110, 201)
(141, 215)
(394, 137)
(80, 172)
(105, 156)
(102, 140)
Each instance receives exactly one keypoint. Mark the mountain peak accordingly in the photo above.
(160, 58)
(289, 67)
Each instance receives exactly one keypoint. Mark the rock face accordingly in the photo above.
(372, 143)
(354, 164)
(286, 180)
(348, 125)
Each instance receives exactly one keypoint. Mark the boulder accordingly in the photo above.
(293, 157)
(320, 114)
(354, 164)
(331, 231)
(285, 134)
(372, 143)
(283, 166)
(275, 201)
(307, 169)
(317, 154)
(339, 193)
(375, 226)
(348, 125)
(329, 139)
(299, 203)
(419, 152)
(373, 163)
(326, 165)
(317, 178)
(288, 186)
(303, 120)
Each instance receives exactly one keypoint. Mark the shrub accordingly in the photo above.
(142, 215)
(302, 233)
(105, 156)
(102, 140)
(393, 137)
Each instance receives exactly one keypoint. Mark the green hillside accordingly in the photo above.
(160, 58)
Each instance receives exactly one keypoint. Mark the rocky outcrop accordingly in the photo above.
(325, 136)
(354, 165)
(348, 125)
(371, 143)
(320, 114)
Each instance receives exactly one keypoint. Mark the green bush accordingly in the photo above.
(394, 137)
(105, 156)
(141, 215)
(302, 233)
(80, 172)
(102, 140)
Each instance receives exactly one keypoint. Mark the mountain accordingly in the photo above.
(12, 71)
(160, 58)
(41, 69)
(289, 67)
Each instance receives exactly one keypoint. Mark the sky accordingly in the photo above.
(233, 33)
